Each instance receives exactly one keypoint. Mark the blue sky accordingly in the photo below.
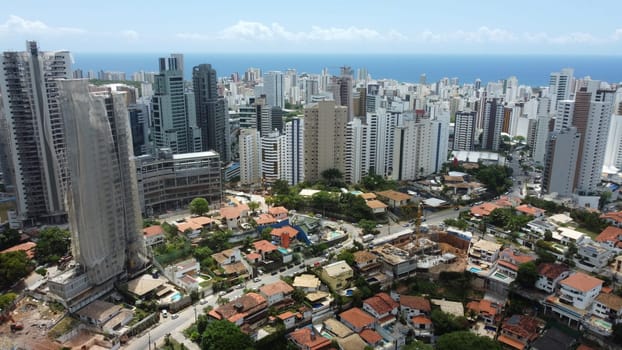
(319, 26)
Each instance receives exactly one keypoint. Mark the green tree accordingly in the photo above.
(332, 177)
(253, 206)
(265, 233)
(218, 241)
(224, 335)
(368, 226)
(6, 300)
(465, 340)
(53, 243)
(347, 256)
(13, 267)
(280, 187)
(417, 345)
(199, 206)
(201, 253)
(527, 275)
(447, 323)
(8, 237)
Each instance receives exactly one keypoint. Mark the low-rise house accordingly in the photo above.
(382, 307)
(484, 209)
(265, 219)
(611, 237)
(519, 331)
(591, 256)
(484, 251)
(366, 262)
(609, 307)
(337, 275)
(371, 337)
(614, 218)
(357, 319)
(276, 292)
(580, 290)
(422, 325)
(411, 306)
(307, 339)
(228, 256)
(153, 235)
(307, 282)
(279, 213)
(336, 328)
(549, 276)
(566, 236)
(395, 199)
(290, 318)
(510, 260)
(234, 216)
(176, 272)
(27, 247)
(98, 312)
(264, 247)
(487, 310)
(352, 342)
(527, 209)
(192, 226)
(249, 309)
(283, 236)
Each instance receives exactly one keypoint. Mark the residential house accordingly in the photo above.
(613, 218)
(337, 275)
(230, 260)
(307, 338)
(484, 252)
(234, 216)
(412, 305)
(422, 325)
(395, 199)
(276, 292)
(249, 309)
(580, 290)
(484, 209)
(264, 247)
(98, 312)
(27, 247)
(519, 331)
(608, 306)
(566, 236)
(352, 342)
(307, 282)
(528, 209)
(592, 256)
(265, 220)
(283, 236)
(192, 226)
(176, 272)
(487, 310)
(509, 261)
(371, 337)
(153, 235)
(357, 319)
(611, 237)
(375, 205)
(549, 276)
(336, 328)
(382, 307)
(288, 318)
(279, 213)
(366, 262)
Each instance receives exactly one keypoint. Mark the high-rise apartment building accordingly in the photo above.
(543, 122)
(273, 89)
(211, 112)
(35, 136)
(139, 124)
(250, 156)
(464, 131)
(273, 156)
(419, 150)
(324, 138)
(560, 161)
(381, 128)
(613, 154)
(173, 109)
(104, 213)
(295, 164)
(560, 86)
(493, 122)
(357, 152)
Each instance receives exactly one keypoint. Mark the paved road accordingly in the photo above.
(187, 316)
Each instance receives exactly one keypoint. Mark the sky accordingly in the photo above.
(319, 26)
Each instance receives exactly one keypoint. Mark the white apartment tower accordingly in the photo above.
(35, 135)
(273, 88)
(418, 150)
(380, 143)
(357, 151)
(250, 156)
(464, 131)
(493, 124)
(324, 138)
(543, 121)
(560, 86)
(273, 156)
(294, 167)
(613, 155)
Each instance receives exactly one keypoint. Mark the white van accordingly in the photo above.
(164, 313)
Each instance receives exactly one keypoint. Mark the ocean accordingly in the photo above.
(531, 70)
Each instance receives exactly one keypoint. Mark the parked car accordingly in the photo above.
(164, 313)
(174, 316)
(256, 279)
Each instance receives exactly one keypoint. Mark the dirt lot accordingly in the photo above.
(37, 317)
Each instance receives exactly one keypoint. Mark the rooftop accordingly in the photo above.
(352, 342)
(276, 288)
(247, 304)
(421, 319)
(337, 268)
(363, 257)
(524, 326)
(415, 302)
(394, 195)
(613, 216)
(375, 204)
(288, 230)
(277, 210)
(264, 246)
(144, 284)
(610, 234)
(529, 210)
(551, 271)
(28, 247)
(612, 301)
(309, 339)
(381, 303)
(265, 219)
(483, 244)
(154, 230)
(99, 310)
(484, 209)
(233, 212)
(451, 307)
(337, 328)
(368, 196)
(582, 282)
(357, 318)
(306, 281)
(370, 336)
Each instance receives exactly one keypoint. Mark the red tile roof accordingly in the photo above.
(484, 306)
(381, 303)
(284, 316)
(28, 247)
(524, 326)
(276, 288)
(515, 344)
(509, 254)
(304, 337)
(246, 305)
(371, 337)
(529, 210)
(253, 256)
(233, 212)
(357, 318)
(421, 319)
(277, 210)
(581, 281)
(264, 246)
(610, 234)
(288, 230)
(265, 219)
(415, 302)
(614, 216)
(153, 231)
(484, 209)
(551, 271)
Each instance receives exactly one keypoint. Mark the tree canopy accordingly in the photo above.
(527, 275)
(332, 177)
(495, 177)
(13, 267)
(224, 335)
(447, 323)
(6, 300)
(199, 206)
(52, 244)
(465, 340)
(8, 237)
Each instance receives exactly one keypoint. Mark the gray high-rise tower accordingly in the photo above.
(211, 112)
(35, 136)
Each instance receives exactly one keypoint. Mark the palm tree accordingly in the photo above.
(253, 206)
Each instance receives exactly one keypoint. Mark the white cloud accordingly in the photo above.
(130, 35)
(257, 31)
(19, 25)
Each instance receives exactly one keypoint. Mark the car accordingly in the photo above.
(164, 313)
(174, 316)
(282, 269)
(221, 293)
(239, 286)
(256, 279)
(406, 225)
(274, 273)
(202, 301)
(379, 226)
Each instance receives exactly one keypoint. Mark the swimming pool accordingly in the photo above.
(474, 270)
(349, 292)
(175, 297)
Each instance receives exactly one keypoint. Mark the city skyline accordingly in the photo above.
(487, 27)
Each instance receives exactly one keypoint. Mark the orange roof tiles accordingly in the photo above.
(610, 234)
(381, 303)
(28, 247)
(246, 305)
(415, 302)
(233, 212)
(357, 318)
(529, 210)
(368, 196)
(484, 209)
(612, 301)
(581, 281)
(370, 336)
(277, 210)
(614, 216)
(153, 231)
(364, 256)
(515, 344)
(264, 246)
(265, 219)
(276, 288)
(253, 256)
(551, 271)
(288, 230)
(376, 204)
(304, 338)
(421, 319)
(524, 326)
(284, 316)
